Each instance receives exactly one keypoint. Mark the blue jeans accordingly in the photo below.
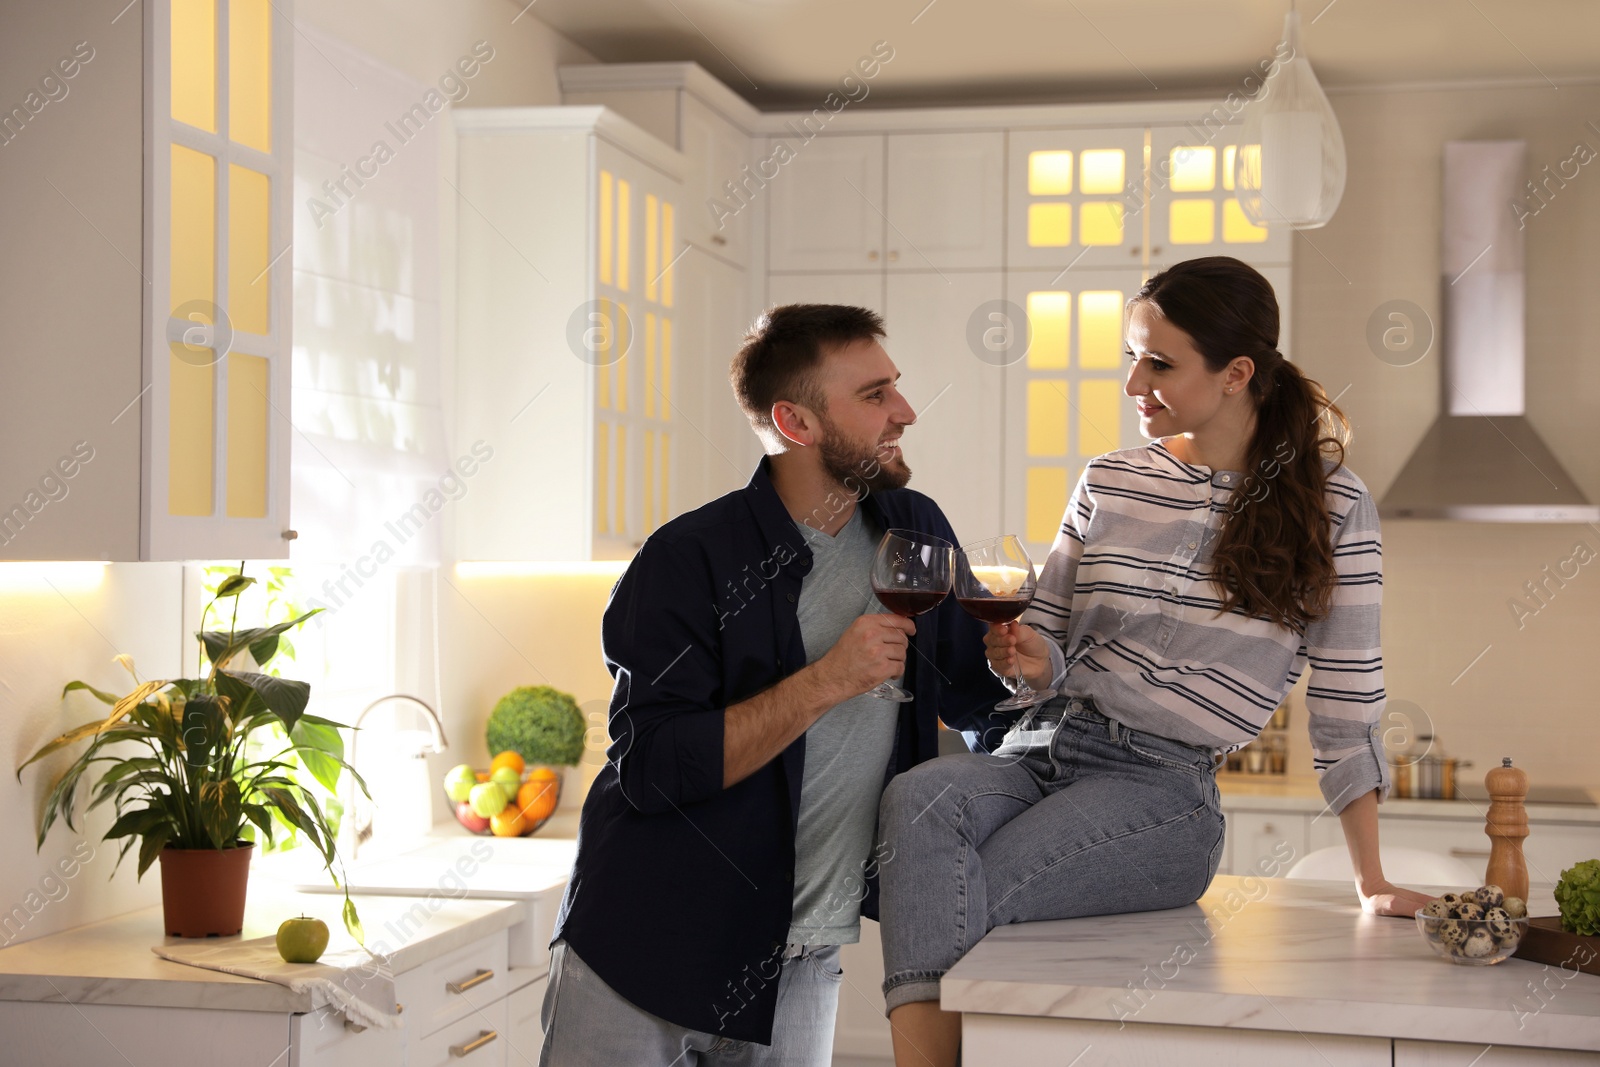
(588, 1024)
(1081, 817)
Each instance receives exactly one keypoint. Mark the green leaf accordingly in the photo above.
(205, 730)
(220, 812)
(352, 921)
(150, 848)
(104, 697)
(137, 822)
(233, 585)
(220, 647)
(286, 697)
(243, 703)
(91, 729)
(321, 748)
(261, 817)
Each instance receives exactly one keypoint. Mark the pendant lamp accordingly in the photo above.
(1290, 167)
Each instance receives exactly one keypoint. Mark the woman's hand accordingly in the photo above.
(1386, 898)
(1007, 643)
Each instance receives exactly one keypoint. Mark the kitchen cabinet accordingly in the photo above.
(901, 201)
(524, 1027)
(945, 201)
(802, 287)
(1193, 209)
(719, 450)
(827, 201)
(160, 230)
(568, 342)
(1064, 402)
(1076, 198)
(955, 447)
(1454, 1054)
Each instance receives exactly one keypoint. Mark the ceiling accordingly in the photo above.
(786, 53)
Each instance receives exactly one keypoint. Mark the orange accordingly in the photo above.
(483, 776)
(508, 823)
(507, 758)
(537, 797)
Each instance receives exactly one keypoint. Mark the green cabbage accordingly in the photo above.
(1578, 894)
(541, 724)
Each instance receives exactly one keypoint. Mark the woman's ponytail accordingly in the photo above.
(1274, 558)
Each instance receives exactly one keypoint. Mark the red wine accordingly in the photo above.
(909, 602)
(995, 608)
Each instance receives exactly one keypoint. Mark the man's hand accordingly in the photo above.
(1386, 898)
(872, 649)
(1007, 643)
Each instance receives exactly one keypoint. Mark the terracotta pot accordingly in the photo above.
(202, 890)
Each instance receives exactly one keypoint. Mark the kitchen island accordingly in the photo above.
(1261, 971)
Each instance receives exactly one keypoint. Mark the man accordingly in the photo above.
(726, 849)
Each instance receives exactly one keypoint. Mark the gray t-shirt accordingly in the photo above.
(847, 749)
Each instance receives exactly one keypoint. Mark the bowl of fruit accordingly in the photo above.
(1475, 927)
(507, 800)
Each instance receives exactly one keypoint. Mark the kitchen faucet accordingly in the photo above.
(363, 827)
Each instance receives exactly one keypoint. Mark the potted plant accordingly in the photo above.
(204, 772)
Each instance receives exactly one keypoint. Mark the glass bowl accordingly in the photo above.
(542, 805)
(1473, 942)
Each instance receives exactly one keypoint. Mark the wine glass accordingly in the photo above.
(995, 583)
(910, 575)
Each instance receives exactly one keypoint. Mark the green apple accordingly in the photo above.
(487, 799)
(459, 781)
(302, 940)
(508, 780)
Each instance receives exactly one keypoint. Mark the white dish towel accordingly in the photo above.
(354, 982)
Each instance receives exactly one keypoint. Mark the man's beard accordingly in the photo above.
(853, 464)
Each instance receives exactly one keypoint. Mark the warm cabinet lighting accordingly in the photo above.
(51, 578)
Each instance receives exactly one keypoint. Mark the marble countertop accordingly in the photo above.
(1272, 954)
(110, 962)
(1299, 793)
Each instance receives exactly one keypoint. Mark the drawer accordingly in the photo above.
(324, 1039)
(478, 1040)
(451, 987)
(524, 1025)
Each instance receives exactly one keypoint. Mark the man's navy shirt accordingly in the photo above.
(682, 891)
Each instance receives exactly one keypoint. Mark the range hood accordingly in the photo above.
(1482, 461)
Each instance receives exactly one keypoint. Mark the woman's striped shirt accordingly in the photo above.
(1129, 602)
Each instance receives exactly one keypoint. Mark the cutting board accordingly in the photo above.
(1546, 942)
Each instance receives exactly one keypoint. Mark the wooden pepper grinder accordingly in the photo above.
(1506, 826)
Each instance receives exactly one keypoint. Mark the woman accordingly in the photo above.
(1191, 583)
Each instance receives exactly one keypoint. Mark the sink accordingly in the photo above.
(494, 868)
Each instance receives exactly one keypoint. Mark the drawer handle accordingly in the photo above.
(718, 239)
(466, 1048)
(478, 979)
(1470, 853)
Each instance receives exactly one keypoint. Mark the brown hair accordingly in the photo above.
(781, 352)
(1274, 558)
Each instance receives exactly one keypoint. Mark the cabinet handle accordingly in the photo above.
(478, 979)
(1268, 828)
(1156, 251)
(468, 1047)
(1133, 250)
(894, 256)
(718, 239)
(873, 255)
(290, 535)
(1470, 853)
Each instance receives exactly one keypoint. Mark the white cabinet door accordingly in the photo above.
(955, 446)
(718, 450)
(827, 203)
(1193, 208)
(946, 201)
(860, 290)
(1075, 198)
(524, 1028)
(1064, 402)
(1261, 842)
(715, 217)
